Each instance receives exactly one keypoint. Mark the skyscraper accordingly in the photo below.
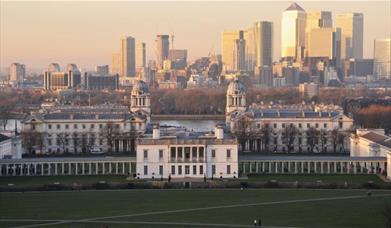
(116, 63)
(162, 48)
(293, 32)
(240, 52)
(128, 57)
(382, 59)
(352, 38)
(141, 54)
(228, 44)
(323, 42)
(315, 20)
(17, 72)
(263, 39)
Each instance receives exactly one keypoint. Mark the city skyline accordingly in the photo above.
(92, 41)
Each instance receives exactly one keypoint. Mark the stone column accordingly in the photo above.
(42, 170)
(55, 169)
(83, 168)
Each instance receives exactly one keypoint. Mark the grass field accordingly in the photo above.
(205, 208)
(42, 180)
(327, 178)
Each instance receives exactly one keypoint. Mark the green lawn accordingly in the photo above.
(25, 181)
(357, 212)
(327, 178)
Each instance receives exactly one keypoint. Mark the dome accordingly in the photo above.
(72, 67)
(140, 87)
(236, 87)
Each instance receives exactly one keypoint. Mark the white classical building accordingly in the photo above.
(96, 129)
(370, 143)
(187, 155)
(281, 128)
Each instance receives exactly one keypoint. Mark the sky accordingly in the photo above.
(37, 33)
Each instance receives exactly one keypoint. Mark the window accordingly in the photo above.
(180, 152)
(228, 153)
(179, 170)
(160, 170)
(213, 153)
(194, 169)
(58, 127)
(50, 126)
(92, 126)
(201, 152)
(187, 169)
(33, 126)
(325, 125)
(299, 125)
(340, 125)
(161, 154)
(283, 125)
(101, 142)
(187, 152)
(173, 169)
(75, 126)
(49, 142)
(275, 125)
(66, 126)
(145, 170)
(228, 169)
(100, 126)
(258, 125)
(194, 152)
(316, 125)
(308, 125)
(117, 126)
(213, 169)
(201, 169)
(145, 154)
(84, 126)
(173, 152)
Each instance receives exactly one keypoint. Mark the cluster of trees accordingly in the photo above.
(374, 116)
(289, 140)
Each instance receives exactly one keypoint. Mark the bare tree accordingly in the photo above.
(110, 132)
(336, 138)
(5, 115)
(323, 136)
(312, 138)
(62, 141)
(76, 141)
(289, 135)
(243, 130)
(32, 140)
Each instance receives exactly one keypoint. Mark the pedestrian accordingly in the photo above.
(255, 222)
(259, 222)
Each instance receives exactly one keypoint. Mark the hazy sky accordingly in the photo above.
(87, 33)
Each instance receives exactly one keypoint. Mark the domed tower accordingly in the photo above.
(236, 97)
(140, 98)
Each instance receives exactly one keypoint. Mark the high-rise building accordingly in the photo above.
(141, 54)
(102, 70)
(240, 52)
(315, 20)
(263, 43)
(162, 49)
(17, 72)
(382, 58)
(323, 42)
(116, 63)
(352, 34)
(228, 43)
(178, 58)
(293, 32)
(128, 57)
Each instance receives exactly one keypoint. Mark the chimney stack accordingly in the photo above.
(219, 132)
(156, 131)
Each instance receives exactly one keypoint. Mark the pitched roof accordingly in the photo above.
(378, 138)
(294, 7)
